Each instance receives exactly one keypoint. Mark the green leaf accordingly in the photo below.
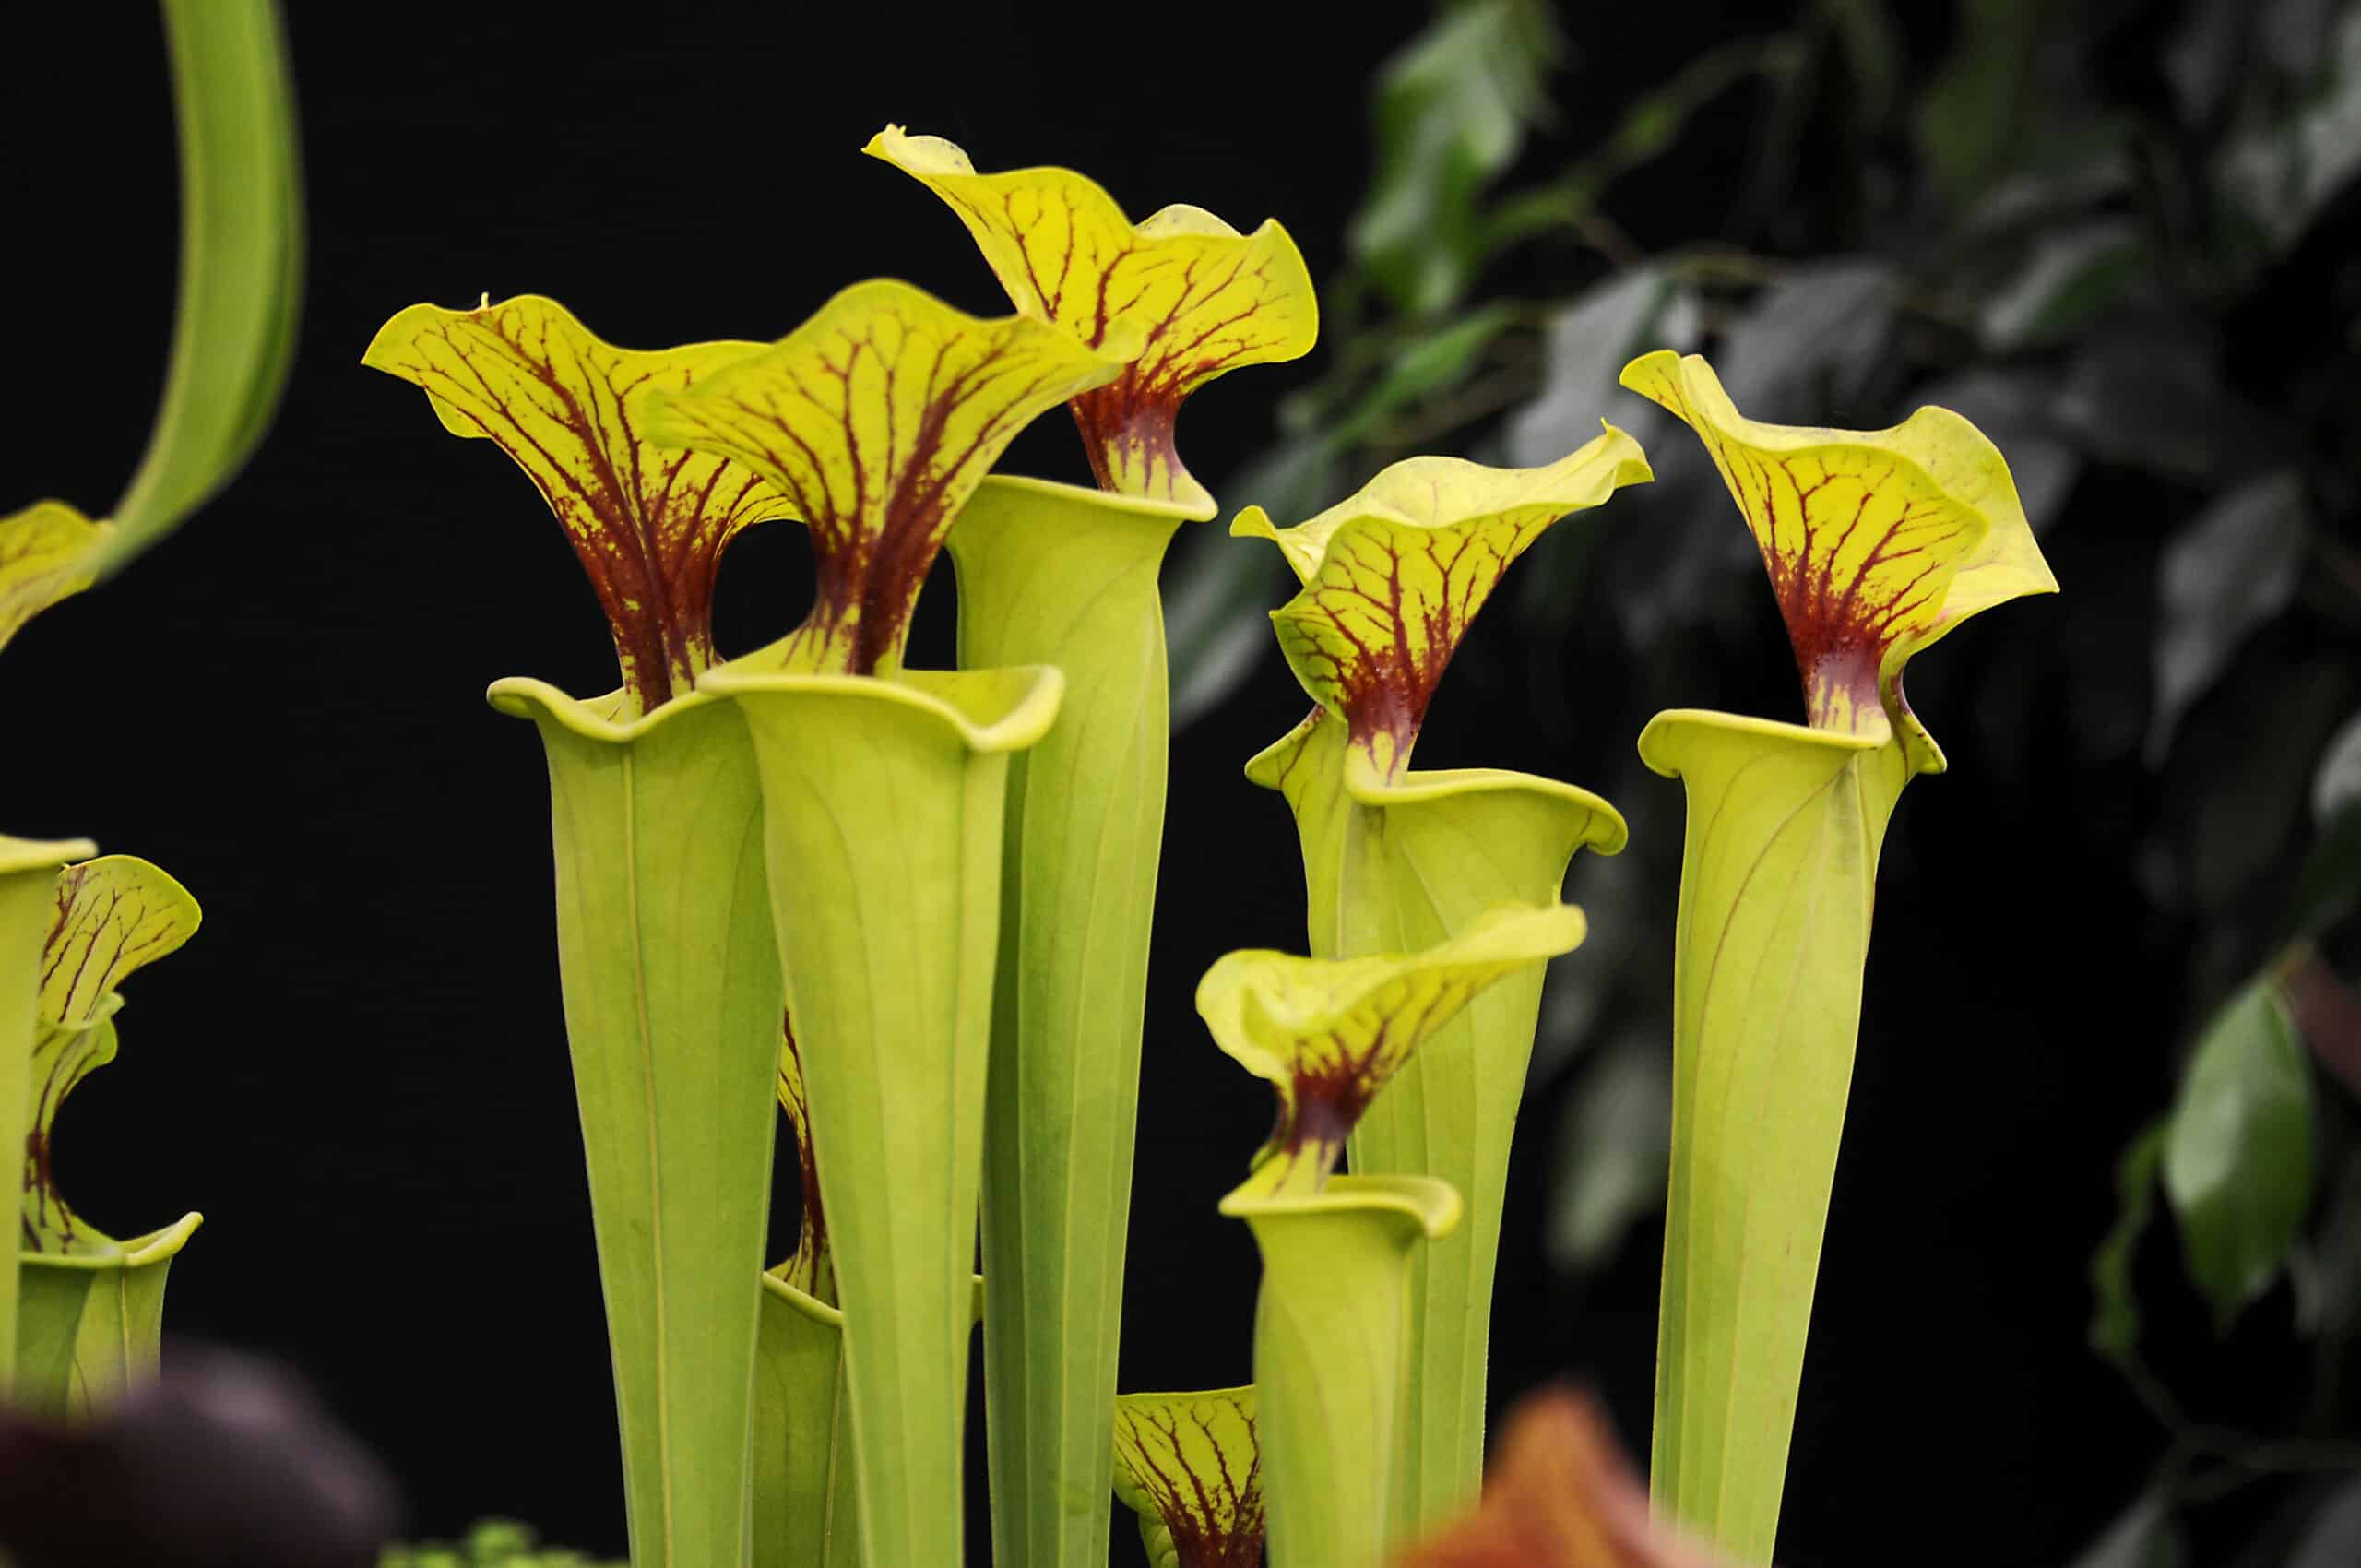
(2239, 1154)
(242, 240)
(2069, 274)
(1589, 341)
(1452, 113)
(2114, 1311)
(2283, 175)
(1431, 363)
(1970, 116)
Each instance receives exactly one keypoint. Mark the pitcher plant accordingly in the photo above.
(1396, 859)
(1058, 573)
(665, 960)
(1877, 543)
(1334, 1316)
(884, 790)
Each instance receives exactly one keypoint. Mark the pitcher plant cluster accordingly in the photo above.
(908, 910)
(82, 1312)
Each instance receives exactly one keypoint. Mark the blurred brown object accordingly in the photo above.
(227, 1462)
(1560, 1495)
(2327, 1014)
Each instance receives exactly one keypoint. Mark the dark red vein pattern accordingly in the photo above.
(1394, 576)
(808, 1269)
(1329, 1033)
(1191, 1460)
(1371, 635)
(113, 915)
(876, 419)
(649, 526)
(1861, 546)
(1200, 298)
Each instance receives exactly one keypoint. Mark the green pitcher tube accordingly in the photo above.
(1878, 544)
(805, 1507)
(882, 807)
(1051, 573)
(1780, 863)
(28, 900)
(92, 1322)
(1330, 1336)
(672, 1004)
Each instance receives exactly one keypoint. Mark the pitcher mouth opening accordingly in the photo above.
(594, 719)
(138, 1251)
(820, 1311)
(991, 710)
(1432, 1204)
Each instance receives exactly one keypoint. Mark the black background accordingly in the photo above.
(357, 1070)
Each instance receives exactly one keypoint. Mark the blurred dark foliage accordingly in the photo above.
(228, 1461)
(2121, 238)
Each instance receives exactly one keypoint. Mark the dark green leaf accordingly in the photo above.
(1433, 363)
(1804, 351)
(1589, 343)
(2068, 277)
(2283, 174)
(1452, 113)
(2115, 1310)
(2149, 393)
(2232, 567)
(2238, 1162)
(1970, 116)
(1872, 54)
(2333, 1539)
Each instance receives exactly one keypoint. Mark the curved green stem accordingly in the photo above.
(672, 1004)
(882, 804)
(241, 265)
(1050, 574)
(1777, 878)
